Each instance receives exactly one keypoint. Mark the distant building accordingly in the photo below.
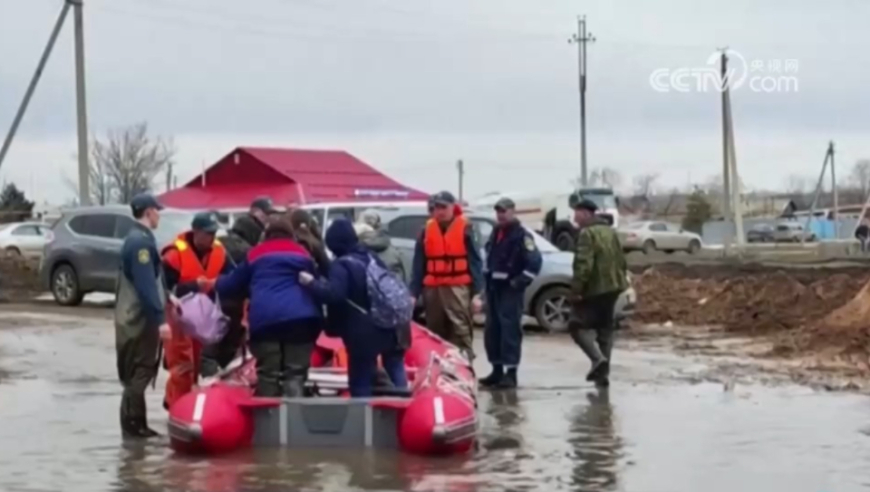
(289, 177)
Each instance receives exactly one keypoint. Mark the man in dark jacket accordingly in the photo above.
(346, 294)
(247, 230)
(512, 262)
(139, 315)
(862, 234)
(599, 279)
(448, 271)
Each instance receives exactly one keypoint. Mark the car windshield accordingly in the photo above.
(636, 225)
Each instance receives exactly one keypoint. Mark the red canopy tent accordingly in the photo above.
(288, 176)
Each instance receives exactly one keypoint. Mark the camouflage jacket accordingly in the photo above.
(599, 263)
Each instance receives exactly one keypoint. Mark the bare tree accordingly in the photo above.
(860, 177)
(644, 184)
(668, 206)
(126, 163)
(101, 192)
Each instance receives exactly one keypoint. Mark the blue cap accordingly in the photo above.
(204, 221)
(144, 201)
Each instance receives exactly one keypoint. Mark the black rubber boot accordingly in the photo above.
(494, 377)
(509, 380)
(600, 370)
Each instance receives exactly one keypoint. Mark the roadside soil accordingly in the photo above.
(19, 278)
(800, 319)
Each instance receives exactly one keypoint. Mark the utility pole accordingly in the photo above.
(460, 168)
(829, 155)
(726, 168)
(34, 81)
(736, 191)
(81, 105)
(580, 39)
(836, 213)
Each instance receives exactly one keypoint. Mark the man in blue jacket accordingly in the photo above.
(139, 316)
(512, 262)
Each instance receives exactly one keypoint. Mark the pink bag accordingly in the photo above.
(200, 318)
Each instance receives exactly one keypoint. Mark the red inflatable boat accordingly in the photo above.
(437, 417)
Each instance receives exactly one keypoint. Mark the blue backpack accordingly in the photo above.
(389, 297)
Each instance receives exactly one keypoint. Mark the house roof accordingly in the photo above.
(288, 176)
(331, 174)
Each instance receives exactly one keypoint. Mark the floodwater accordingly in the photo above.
(652, 431)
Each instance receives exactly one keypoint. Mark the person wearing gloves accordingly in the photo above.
(346, 295)
(448, 272)
(284, 319)
(512, 262)
(376, 239)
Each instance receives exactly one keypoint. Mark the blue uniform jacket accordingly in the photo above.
(475, 263)
(346, 282)
(511, 256)
(141, 264)
(270, 275)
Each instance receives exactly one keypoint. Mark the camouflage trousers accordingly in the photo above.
(448, 315)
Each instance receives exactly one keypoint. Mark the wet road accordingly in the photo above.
(652, 431)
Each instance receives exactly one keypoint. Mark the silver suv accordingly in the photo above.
(84, 251)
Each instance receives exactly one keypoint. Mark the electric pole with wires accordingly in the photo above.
(580, 39)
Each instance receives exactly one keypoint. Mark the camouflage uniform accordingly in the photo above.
(599, 279)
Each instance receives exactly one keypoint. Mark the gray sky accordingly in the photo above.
(411, 86)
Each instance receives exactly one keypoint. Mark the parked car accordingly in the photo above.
(24, 238)
(651, 236)
(546, 299)
(760, 233)
(791, 232)
(84, 252)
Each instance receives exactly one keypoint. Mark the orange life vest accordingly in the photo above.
(446, 255)
(189, 266)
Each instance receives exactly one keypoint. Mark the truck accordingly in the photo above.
(552, 214)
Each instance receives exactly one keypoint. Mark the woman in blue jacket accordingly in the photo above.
(284, 320)
(345, 293)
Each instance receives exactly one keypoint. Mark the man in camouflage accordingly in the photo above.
(599, 279)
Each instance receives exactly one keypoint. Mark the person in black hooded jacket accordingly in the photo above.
(346, 295)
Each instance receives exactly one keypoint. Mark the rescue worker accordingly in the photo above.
(193, 255)
(447, 270)
(512, 262)
(139, 315)
(599, 279)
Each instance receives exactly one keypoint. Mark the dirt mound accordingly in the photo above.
(19, 278)
(751, 299)
(845, 331)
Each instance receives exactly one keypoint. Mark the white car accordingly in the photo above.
(24, 238)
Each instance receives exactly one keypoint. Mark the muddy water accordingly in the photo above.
(652, 431)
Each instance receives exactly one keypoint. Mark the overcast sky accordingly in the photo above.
(410, 86)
